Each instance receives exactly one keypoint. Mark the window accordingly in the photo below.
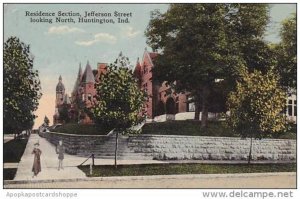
(292, 108)
(90, 97)
(190, 105)
(145, 87)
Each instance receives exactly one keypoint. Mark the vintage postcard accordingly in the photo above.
(148, 95)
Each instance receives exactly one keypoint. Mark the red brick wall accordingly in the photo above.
(156, 93)
(146, 83)
(89, 89)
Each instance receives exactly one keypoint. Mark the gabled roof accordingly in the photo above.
(88, 76)
(150, 55)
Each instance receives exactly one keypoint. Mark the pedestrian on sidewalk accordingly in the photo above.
(36, 168)
(60, 150)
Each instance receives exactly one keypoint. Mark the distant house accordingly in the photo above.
(291, 108)
(82, 96)
(163, 102)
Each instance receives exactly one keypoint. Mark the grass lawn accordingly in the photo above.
(193, 128)
(192, 168)
(83, 129)
(9, 174)
(188, 127)
(14, 149)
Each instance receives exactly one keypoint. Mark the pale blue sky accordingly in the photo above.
(57, 49)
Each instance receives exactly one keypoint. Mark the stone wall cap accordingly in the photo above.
(77, 135)
(209, 137)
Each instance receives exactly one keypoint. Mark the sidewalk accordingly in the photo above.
(49, 162)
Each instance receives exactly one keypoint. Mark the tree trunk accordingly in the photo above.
(197, 110)
(204, 114)
(116, 148)
(250, 152)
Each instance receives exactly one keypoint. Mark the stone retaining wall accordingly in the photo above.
(212, 148)
(168, 147)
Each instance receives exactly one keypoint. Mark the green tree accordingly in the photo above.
(200, 43)
(119, 100)
(256, 106)
(21, 87)
(46, 120)
(245, 30)
(287, 53)
(64, 113)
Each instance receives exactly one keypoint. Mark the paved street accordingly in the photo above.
(254, 180)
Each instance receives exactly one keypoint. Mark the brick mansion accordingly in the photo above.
(163, 102)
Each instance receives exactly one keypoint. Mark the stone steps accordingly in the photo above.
(106, 150)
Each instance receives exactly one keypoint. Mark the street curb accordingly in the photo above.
(154, 177)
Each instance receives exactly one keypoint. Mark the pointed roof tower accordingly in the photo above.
(60, 86)
(78, 80)
(88, 76)
(137, 68)
(79, 71)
